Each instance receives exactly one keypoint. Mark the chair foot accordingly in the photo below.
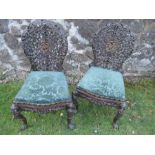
(17, 115)
(74, 98)
(118, 115)
(71, 126)
(70, 112)
(115, 126)
(24, 126)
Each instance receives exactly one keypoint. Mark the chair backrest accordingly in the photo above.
(112, 45)
(45, 44)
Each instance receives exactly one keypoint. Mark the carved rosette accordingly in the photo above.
(112, 45)
(45, 44)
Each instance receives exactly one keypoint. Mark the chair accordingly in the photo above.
(103, 83)
(45, 88)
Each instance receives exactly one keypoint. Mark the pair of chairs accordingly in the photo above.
(45, 88)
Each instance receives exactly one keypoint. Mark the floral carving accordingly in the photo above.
(112, 45)
(45, 44)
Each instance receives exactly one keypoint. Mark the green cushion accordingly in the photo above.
(44, 87)
(103, 82)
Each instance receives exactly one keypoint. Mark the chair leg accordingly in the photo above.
(70, 113)
(17, 115)
(74, 98)
(118, 115)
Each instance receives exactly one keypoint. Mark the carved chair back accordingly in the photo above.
(45, 44)
(112, 45)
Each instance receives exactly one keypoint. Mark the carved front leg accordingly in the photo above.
(118, 115)
(70, 113)
(17, 115)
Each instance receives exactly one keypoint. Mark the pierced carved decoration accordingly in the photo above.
(112, 45)
(45, 44)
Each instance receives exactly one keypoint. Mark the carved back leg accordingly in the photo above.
(17, 115)
(70, 112)
(74, 98)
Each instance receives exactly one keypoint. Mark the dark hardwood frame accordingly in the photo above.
(17, 109)
(103, 101)
(53, 62)
(103, 58)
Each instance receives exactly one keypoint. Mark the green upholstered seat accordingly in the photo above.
(103, 82)
(44, 87)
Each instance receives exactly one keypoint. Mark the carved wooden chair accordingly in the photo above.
(103, 83)
(45, 88)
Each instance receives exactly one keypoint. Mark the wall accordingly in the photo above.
(15, 65)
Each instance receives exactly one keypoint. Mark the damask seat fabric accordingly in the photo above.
(44, 87)
(103, 82)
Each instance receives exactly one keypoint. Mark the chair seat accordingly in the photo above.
(44, 87)
(103, 82)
